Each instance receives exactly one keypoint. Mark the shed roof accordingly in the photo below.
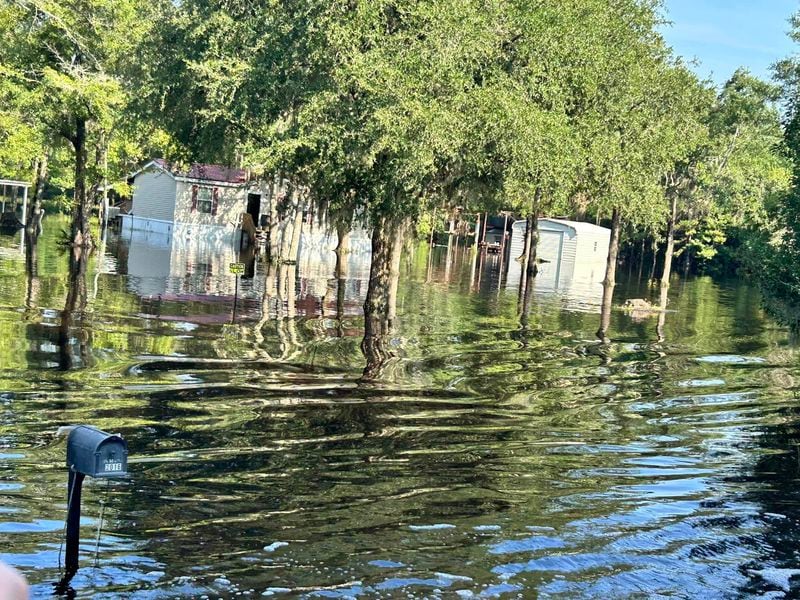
(199, 172)
(14, 182)
(577, 226)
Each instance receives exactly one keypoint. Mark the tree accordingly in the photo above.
(69, 58)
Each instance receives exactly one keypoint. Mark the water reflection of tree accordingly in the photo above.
(75, 304)
(33, 285)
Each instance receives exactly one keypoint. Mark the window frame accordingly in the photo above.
(202, 190)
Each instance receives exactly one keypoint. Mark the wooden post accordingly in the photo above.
(74, 487)
(24, 205)
(433, 227)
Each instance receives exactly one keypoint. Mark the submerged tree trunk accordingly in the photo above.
(75, 302)
(605, 313)
(448, 262)
(387, 244)
(670, 247)
(341, 288)
(376, 306)
(610, 279)
(81, 213)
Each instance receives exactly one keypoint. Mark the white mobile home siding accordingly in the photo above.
(232, 202)
(154, 195)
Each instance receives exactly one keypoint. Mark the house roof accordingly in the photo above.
(199, 172)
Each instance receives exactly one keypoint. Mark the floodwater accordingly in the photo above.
(493, 459)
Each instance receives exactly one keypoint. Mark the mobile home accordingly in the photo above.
(204, 198)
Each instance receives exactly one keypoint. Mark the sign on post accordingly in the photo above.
(237, 268)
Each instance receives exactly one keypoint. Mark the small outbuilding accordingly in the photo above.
(562, 241)
(572, 257)
(211, 198)
(11, 193)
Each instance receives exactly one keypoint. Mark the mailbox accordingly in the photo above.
(96, 453)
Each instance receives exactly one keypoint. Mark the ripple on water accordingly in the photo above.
(494, 459)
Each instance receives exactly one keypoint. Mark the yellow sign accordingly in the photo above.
(237, 268)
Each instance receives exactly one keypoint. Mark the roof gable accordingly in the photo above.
(199, 172)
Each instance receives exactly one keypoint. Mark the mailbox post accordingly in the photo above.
(97, 454)
(236, 270)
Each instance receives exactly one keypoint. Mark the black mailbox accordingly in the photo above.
(96, 453)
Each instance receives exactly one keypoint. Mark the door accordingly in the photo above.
(549, 251)
(254, 207)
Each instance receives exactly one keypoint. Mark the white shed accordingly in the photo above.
(572, 257)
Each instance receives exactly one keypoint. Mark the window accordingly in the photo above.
(595, 246)
(205, 200)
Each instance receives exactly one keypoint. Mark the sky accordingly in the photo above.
(726, 34)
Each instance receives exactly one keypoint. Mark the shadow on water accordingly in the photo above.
(500, 452)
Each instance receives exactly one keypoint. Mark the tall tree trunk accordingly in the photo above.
(35, 212)
(610, 279)
(81, 213)
(531, 266)
(670, 248)
(532, 243)
(526, 246)
(687, 260)
(433, 227)
(286, 226)
(343, 240)
(297, 228)
(273, 237)
(662, 315)
(104, 218)
(654, 250)
(641, 261)
(394, 269)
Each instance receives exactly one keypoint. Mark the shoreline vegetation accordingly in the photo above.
(408, 117)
